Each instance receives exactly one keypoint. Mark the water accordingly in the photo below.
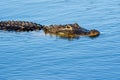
(36, 56)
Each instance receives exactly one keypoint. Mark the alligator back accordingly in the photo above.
(19, 26)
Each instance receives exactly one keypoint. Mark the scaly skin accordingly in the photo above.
(19, 26)
(68, 30)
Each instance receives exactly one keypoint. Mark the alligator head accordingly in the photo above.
(70, 31)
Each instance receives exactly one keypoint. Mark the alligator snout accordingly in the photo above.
(93, 33)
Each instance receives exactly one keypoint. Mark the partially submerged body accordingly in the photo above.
(68, 30)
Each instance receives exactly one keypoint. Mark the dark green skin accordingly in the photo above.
(19, 26)
(68, 30)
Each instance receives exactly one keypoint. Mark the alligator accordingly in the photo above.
(67, 30)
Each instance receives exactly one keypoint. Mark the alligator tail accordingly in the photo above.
(19, 26)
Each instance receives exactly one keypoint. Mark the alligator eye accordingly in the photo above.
(68, 27)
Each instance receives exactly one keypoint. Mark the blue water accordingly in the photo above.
(36, 56)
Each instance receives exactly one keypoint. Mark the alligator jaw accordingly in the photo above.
(65, 34)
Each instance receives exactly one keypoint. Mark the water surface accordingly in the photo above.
(36, 56)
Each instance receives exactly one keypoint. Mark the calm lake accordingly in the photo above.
(36, 56)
